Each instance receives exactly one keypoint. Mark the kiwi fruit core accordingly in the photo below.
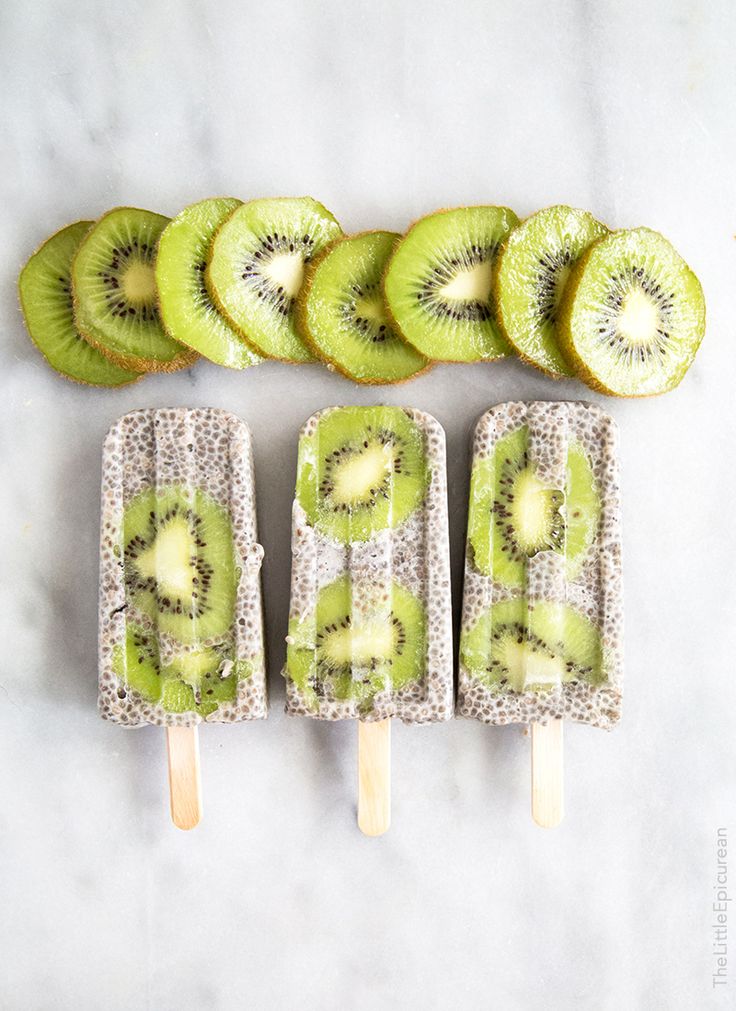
(256, 269)
(335, 654)
(519, 647)
(343, 316)
(46, 300)
(179, 562)
(633, 315)
(438, 283)
(514, 515)
(360, 470)
(530, 276)
(114, 285)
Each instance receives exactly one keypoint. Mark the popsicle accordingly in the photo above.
(541, 633)
(370, 626)
(181, 628)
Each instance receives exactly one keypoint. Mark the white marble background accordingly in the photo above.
(383, 111)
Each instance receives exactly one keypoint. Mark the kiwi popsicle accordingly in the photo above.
(541, 635)
(181, 632)
(370, 619)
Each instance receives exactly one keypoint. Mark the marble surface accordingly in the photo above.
(384, 112)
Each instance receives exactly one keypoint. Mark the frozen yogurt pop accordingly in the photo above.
(370, 634)
(541, 635)
(181, 631)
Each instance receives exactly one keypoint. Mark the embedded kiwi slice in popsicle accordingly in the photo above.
(185, 305)
(516, 646)
(438, 286)
(513, 515)
(530, 275)
(361, 470)
(179, 562)
(256, 269)
(114, 290)
(632, 315)
(332, 653)
(46, 300)
(342, 315)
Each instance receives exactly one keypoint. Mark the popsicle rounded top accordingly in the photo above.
(541, 633)
(370, 618)
(181, 631)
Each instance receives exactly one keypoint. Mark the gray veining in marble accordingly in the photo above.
(384, 112)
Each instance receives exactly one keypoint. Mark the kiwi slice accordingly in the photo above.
(530, 275)
(519, 647)
(361, 469)
(46, 300)
(332, 654)
(438, 283)
(184, 303)
(513, 515)
(179, 562)
(114, 289)
(196, 681)
(342, 315)
(632, 316)
(256, 269)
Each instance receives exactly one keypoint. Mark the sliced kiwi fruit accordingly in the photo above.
(361, 469)
(342, 315)
(513, 515)
(114, 290)
(196, 681)
(185, 306)
(519, 647)
(530, 274)
(335, 655)
(632, 315)
(256, 269)
(438, 286)
(46, 300)
(179, 562)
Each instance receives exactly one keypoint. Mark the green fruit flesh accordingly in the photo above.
(634, 315)
(361, 470)
(46, 301)
(256, 269)
(513, 515)
(438, 283)
(519, 648)
(115, 291)
(196, 681)
(345, 318)
(179, 561)
(333, 654)
(186, 308)
(530, 277)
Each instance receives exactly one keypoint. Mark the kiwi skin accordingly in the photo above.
(499, 314)
(303, 328)
(71, 379)
(394, 321)
(221, 309)
(182, 361)
(565, 336)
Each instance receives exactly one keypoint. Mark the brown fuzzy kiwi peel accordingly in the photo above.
(306, 336)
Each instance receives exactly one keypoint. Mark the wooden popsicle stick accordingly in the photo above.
(374, 777)
(547, 774)
(182, 746)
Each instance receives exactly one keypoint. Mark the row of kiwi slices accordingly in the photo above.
(276, 278)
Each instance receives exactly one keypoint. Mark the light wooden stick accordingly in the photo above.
(182, 745)
(547, 774)
(374, 777)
